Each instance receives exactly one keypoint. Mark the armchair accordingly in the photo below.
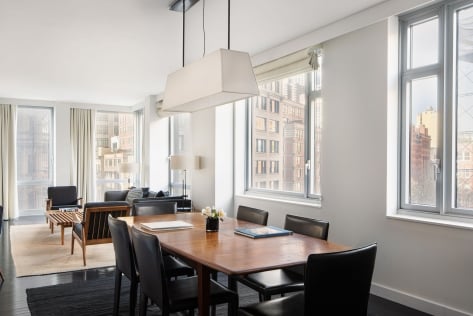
(93, 228)
(63, 197)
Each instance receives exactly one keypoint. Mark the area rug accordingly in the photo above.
(36, 251)
(95, 298)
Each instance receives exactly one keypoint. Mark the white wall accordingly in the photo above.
(422, 265)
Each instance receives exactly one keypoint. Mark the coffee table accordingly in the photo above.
(62, 219)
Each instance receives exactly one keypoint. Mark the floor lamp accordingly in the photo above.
(130, 169)
(184, 163)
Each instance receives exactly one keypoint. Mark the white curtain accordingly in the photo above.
(8, 187)
(83, 156)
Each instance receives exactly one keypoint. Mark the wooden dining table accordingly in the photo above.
(228, 252)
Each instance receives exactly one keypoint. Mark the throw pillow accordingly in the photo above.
(134, 194)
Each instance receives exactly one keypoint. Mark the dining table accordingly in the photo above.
(228, 252)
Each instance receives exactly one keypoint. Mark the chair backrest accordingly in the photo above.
(150, 263)
(154, 207)
(95, 219)
(1, 218)
(307, 226)
(124, 255)
(252, 215)
(63, 195)
(339, 283)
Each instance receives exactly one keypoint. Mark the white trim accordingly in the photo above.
(433, 219)
(415, 302)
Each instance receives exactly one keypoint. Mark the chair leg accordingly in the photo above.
(232, 284)
(116, 295)
(72, 244)
(83, 254)
(143, 304)
(1, 276)
(133, 296)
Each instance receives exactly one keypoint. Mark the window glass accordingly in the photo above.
(464, 132)
(424, 43)
(34, 144)
(117, 157)
(291, 137)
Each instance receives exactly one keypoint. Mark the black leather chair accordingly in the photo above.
(63, 197)
(154, 207)
(252, 215)
(281, 281)
(178, 295)
(126, 264)
(336, 283)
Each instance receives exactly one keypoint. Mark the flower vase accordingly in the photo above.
(212, 224)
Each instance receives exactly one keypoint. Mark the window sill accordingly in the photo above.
(284, 199)
(433, 219)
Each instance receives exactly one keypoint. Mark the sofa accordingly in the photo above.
(139, 195)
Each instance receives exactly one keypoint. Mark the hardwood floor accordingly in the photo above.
(13, 294)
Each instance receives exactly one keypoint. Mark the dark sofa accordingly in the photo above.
(183, 204)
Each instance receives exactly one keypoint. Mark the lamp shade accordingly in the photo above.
(129, 167)
(179, 162)
(221, 77)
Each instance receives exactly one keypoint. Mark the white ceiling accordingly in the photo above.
(120, 51)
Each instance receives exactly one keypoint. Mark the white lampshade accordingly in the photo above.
(179, 162)
(129, 167)
(221, 77)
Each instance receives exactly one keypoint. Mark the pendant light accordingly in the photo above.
(221, 77)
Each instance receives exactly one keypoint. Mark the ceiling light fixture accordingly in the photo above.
(221, 77)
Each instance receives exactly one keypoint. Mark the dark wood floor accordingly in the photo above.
(13, 295)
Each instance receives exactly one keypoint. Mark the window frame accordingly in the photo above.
(447, 101)
(312, 79)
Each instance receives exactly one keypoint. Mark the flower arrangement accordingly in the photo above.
(212, 212)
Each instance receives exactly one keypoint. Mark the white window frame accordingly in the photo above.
(446, 76)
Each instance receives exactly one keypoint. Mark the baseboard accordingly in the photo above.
(416, 302)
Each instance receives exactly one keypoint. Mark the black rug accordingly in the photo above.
(95, 298)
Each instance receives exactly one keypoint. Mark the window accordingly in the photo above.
(34, 145)
(181, 138)
(260, 123)
(117, 140)
(293, 130)
(437, 112)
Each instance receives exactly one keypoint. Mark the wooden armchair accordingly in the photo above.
(63, 197)
(93, 228)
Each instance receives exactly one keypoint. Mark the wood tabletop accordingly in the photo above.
(231, 253)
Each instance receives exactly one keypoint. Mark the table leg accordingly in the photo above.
(203, 274)
(62, 235)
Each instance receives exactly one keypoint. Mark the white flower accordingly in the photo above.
(213, 212)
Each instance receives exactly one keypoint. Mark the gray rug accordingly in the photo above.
(95, 298)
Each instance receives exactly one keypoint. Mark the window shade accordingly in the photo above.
(296, 63)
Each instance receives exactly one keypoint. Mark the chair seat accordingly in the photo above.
(274, 281)
(174, 267)
(57, 207)
(183, 294)
(283, 306)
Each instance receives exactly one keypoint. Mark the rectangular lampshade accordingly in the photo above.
(221, 77)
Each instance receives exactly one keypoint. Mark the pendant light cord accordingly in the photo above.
(203, 23)
(183, 31)
(228, 24)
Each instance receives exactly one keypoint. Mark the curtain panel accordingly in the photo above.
(83, 157)
(8, 185)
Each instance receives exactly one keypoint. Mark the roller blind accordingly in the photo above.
(299, 62)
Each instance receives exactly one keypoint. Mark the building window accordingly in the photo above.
(293, 132)
(34, 143)
(261, 167)
(437, 116)
(260, 123)
(117, 140)
(261, 145)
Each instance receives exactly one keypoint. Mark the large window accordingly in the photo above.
(34, 157)
(437, 109)
(180, 181)
(290, 106)
(117, 137)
